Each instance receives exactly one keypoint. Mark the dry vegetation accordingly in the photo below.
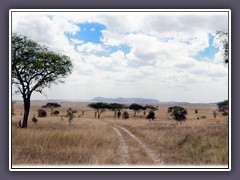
(89, 141)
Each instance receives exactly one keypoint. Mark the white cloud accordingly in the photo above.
(90, 47)
(160, 63)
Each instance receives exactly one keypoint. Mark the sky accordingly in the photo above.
(169, 56)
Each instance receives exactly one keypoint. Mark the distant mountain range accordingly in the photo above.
(124, 100)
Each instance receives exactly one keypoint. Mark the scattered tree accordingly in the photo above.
(34, 67)
(150, 107)
(70, 114)
(178, 113)
(223, 107)
(52, 106)
(196, 111)
(99, 108)
(136, 108)
(115, 107)
(42, 113)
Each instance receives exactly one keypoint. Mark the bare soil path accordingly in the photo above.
(130, 141)
(123, 147)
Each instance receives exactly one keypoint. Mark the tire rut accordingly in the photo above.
(125, 148)
(147, 150)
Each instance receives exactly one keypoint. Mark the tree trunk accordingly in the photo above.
(26, 112)
(135, 113)
(51, 111)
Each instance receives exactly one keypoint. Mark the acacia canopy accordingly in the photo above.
(35, 67)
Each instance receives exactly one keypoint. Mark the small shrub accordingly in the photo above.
(151, 115)
(34, 119)
(55, 113)
(125, 115)
(42, 113)
(214, 114)
(196, 111)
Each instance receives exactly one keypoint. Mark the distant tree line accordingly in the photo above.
(100, 107)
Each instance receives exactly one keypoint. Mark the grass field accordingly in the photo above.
(110, 141)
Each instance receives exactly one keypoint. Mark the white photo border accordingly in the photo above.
(119, 168)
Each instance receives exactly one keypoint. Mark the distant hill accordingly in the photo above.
(124, 100)
(118, 100)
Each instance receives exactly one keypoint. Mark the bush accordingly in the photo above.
(151, 115)
(42, 113)
(178, 113)
(34, 119)
(55, 113)
(125, 115)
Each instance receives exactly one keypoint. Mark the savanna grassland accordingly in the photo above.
(112, 141)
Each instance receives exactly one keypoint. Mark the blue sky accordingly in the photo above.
(89, 32)
(92, 32)
(208, 52)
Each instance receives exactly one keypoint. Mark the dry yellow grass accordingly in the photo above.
(89, 141)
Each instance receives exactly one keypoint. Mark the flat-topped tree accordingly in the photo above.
(34, 67)
(115, 107)
(136, 108)
(51, 106)
(151, 107)
(99, 107)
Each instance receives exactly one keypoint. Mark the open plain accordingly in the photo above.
(111, 141)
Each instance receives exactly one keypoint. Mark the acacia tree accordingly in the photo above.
(178, 113)
(51, 106)
(99, 108)
(223, 36)
(34, 67)
(70, 114)
(136, 108)
(115, 107)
